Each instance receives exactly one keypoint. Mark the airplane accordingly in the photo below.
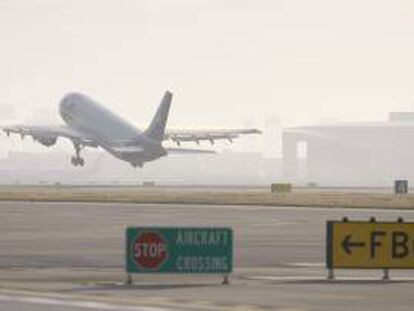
(89, 124)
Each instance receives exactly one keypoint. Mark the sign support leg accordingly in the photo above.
(331, 274)
(386, 275)
(129, 279)
(226, 280)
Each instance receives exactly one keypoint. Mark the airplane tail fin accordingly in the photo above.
(156, 129)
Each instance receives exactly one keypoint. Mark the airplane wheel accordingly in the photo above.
(134, 164)
(77, 161)
(74, 161)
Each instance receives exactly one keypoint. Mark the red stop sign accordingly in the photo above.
(150, 250)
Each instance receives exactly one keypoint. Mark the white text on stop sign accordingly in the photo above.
(149, 250)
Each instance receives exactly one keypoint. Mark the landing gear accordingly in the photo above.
(77, 160)
(135, 164)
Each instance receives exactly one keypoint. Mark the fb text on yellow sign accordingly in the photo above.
(370, 245)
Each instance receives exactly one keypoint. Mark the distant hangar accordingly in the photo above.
(350, 154)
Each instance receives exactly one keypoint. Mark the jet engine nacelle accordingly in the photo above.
(45, 141)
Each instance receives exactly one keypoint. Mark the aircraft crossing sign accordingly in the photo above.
(179, 250)
(376, 245)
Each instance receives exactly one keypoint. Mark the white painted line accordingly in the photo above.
(226, 206)
(74, 303)
(306, 264)
(324, 278)
(286, 278)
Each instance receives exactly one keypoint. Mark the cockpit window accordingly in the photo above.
(69, 111)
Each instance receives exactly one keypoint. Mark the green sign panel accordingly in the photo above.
(179, 250)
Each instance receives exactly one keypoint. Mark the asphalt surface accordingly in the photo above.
(77, 250)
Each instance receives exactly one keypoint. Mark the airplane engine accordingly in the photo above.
(45, 141)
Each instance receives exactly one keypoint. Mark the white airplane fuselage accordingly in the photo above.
(108, 130)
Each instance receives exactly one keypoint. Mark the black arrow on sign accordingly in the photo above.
(347, 244)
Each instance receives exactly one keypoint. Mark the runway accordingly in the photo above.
(77, 249)
(16, 302)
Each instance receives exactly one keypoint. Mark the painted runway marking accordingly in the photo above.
(306, 264)
(218, 206)
(74, 303)
(324, 278)
(285, 278)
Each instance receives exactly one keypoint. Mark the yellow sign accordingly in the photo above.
(281, 187)
(370, 245)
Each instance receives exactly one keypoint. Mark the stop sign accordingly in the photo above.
(150, 250)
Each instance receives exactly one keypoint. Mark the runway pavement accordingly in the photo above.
(77, 250)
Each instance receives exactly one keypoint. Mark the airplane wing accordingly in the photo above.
(137, 149)
(188, 150)
(179, 136)
(47, 135)
(128, 149)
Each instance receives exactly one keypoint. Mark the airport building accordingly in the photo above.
(351, 154)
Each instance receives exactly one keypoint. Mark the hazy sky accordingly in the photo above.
(227, 62)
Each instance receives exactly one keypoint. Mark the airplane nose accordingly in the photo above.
(68, 101)
(64, 105)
